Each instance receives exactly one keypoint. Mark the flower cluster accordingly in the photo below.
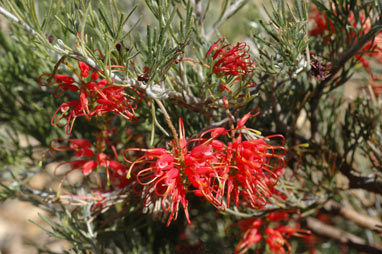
(229, 59)
(159, 171)
(323, 26)
(372, 48)
(88, 159)
(244, 170)
(95, 96)
(227, 167)
(276, 235)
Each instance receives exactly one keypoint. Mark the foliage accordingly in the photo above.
(252, 146)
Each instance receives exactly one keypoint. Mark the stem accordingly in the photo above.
(191, 60)
(15, 19)
(349, 213)
(170, 124)
(341, 236)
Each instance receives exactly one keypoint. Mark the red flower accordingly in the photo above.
(207, 169)
(84, 69)
(113, 99)
(251, 236)
(231, 60)
(245, 170)
(89, 160)
(160, 172)
(323, 26)
(373, 48)
(276, 237)
(95, 98)
(276, 241)
(277, 216)
(70, 111)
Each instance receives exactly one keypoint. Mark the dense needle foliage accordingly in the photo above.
(196, 126)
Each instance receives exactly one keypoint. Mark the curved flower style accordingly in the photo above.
(246, 171)
(161, 174)
(96, 97)
(243, 170)
(231, 60)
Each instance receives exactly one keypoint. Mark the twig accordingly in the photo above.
(351, 214)
(284, 128)
(9, 15)
(169, 122)
(361, 182)
(343, 237)
(371, 184)
(198, 11)
(153, 91)
(73, 200)
(349, 54)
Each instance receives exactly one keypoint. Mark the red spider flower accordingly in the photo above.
(80, 146)
(251, 236)
(207, 169)
(161, 171)
(276, 241)
(276, 238)
(324, 27)
(372, 48)
(113, 99)
(88, 161)
(84, 69)
(231, 60)
(94, 98)
(246, 171)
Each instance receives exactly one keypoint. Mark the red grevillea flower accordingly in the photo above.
(276, 241)
(252, 234)
(246, 171)
(324, 27)
(372, 48)
(160, 171)
(229, 59)
(276, 237)
(87, 160)
(95, 97)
